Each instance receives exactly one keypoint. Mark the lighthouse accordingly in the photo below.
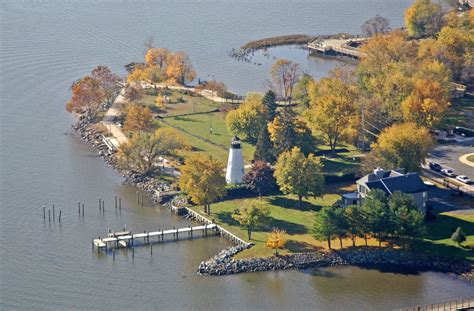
(235, 165)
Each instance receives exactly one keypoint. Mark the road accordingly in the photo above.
(447, 155)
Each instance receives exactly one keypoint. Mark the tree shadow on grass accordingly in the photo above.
(445, 225)
(226, 217)
(293, 204)
(301, 247)
(289, 227)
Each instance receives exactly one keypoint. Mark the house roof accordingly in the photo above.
(408, 183)
(384, 174)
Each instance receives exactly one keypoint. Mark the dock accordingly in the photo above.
(127, 238)
(344, 47)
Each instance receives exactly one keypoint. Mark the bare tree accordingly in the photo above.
(375, 25)
(285, 74)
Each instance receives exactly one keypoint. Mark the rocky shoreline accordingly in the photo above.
(224, 263)
(86, 132)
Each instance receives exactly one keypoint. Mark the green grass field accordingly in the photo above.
(459, 114)
(438, 237)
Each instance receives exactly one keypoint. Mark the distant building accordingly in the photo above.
(235, 165)
(389, 182)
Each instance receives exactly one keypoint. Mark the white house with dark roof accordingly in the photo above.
(389, 182)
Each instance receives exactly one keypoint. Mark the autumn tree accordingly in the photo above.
(302, 90)
(403, 145)
(384, 72)
(137, 75)
(287, 131)
(375, 25)
(253, 214)
(264, 147)
(158, 57)
(108, 81)
(260, 179)
(299, 175)
(141, 153)
(423, 19)
(285, 74)
(332, 107)
(429, 99)
(138, 118)
(248, 119)
(276, 240)
(180, 69)
(87, 95)
(132, 93)
(203, 180)
(160, 102)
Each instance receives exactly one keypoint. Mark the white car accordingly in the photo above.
(463, 179)
(448, 172)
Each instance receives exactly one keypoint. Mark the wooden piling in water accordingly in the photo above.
(44, 212)
(151, 249)
(116, 205)
(120, 204)
(82, 210)
(100, 204)
(138, 197)
(103, 206)
(60, 211)
(79, 207)
(54, 214)
(49, 215)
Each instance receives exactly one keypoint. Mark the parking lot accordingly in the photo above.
(447, 155)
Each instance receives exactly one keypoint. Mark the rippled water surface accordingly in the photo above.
(44, 46)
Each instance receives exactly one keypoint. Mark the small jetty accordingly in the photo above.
(127, 238)
(454, 305)
(338, 47)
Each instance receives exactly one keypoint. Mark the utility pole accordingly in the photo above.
(363, 127)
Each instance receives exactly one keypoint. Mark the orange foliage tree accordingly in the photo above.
(87, 95)
(180, 69)
(138, 118)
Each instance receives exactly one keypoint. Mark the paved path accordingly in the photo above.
(463, 159)
(108, 121)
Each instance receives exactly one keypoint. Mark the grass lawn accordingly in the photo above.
(471, 158)
(285, 214)
(459, 114)
(438, 237)
(200, 125)
(192, 104)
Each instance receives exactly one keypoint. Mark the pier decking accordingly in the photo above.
(126, 238)
(337, 46)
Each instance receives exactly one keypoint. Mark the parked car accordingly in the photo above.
(463, 179)
(435, 166)
(463, 131)
(448, 172)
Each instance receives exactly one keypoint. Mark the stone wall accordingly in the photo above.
(224, 263)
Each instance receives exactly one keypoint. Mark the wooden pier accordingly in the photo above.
(126, 238)
(337, 47)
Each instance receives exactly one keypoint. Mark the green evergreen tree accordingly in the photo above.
(269, 101)
(324, 226)
(458, 236)
(264, 148)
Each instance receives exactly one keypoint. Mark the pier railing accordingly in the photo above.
(225, 233)
(455, 304)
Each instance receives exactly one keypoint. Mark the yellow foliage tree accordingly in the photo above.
(404, 145)
(158, 57)
(248, 119)
(332, 107)
(160, 102)
(202, 179)
(180, 69)
(276, 240)
(138, 118)
(423, 19)
(137, 75)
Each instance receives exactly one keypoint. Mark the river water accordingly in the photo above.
(45, 45)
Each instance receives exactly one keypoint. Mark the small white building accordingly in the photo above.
(235, 165)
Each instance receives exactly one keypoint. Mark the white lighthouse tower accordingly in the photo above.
(235, 165)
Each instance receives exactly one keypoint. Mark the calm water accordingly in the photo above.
(45, 45)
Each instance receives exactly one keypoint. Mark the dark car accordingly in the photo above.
(435, 166)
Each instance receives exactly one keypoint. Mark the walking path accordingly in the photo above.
(108, 121)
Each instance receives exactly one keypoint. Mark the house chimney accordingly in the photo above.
(378, 172)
